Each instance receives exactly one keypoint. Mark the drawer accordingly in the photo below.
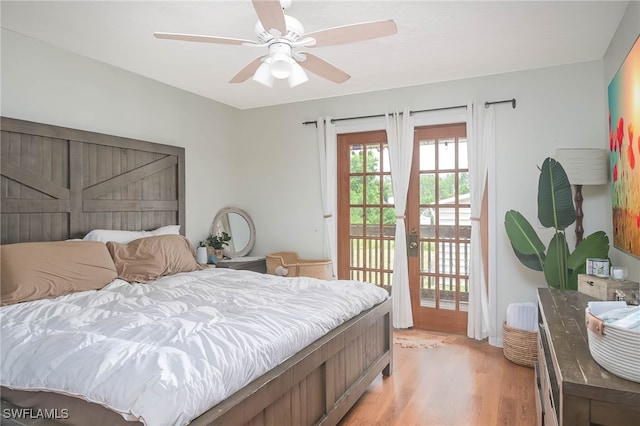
(605, 288)
(549, 409)
(537, 383)
(608, 414)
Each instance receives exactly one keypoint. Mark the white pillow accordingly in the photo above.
(125, 237)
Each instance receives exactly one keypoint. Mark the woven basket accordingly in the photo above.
(614, 348)
(296, 267)
(520, 346)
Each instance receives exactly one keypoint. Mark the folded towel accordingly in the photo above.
(598, 308)
(523, 316)
(628, 318)
(617, 313)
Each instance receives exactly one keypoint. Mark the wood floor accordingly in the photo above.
(452, 381)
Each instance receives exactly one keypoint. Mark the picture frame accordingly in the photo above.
(624, 147)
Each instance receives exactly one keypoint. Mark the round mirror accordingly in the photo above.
(238, 224)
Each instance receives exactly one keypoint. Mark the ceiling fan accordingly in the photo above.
(284, 36)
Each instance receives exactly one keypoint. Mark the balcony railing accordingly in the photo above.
(444, 263)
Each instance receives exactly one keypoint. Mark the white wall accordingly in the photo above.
(556, 107)
(45, 84)
(620, 46)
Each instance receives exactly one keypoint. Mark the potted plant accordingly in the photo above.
(216, 243)
(555, 210)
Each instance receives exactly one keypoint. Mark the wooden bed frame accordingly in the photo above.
(59, 183)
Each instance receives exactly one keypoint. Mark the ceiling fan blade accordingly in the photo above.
(203, 38)
(247, 71)
(324, 69)
(270, 15)
(354, 32)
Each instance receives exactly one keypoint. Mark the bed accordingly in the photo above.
(60, 183)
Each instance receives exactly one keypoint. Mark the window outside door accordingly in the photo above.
(437, 220)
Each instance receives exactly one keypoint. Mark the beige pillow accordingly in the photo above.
(149, 258)
(44, 270)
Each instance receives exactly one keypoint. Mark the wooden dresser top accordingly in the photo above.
(563, 316)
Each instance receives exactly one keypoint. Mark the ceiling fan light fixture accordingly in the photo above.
(282, 34)
(263, 75)
(298, 76)
(281, 65)
(280, 60)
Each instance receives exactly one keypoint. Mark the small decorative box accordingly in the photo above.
(605, 288)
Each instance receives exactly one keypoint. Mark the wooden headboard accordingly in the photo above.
(59, 183)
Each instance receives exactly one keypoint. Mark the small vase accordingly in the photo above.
(202, 255)
(218, 253)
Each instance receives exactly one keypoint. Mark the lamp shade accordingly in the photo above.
(298, 76)
(263, 75)
(584, 166)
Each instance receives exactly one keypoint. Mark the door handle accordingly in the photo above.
(412, 245)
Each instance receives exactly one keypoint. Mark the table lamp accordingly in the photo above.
(584, 166)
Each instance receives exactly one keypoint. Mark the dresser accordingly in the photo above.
(572, 389)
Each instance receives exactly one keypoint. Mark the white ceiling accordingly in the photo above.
(436, 41)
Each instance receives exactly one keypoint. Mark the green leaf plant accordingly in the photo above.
(216, 241)
(555, 210)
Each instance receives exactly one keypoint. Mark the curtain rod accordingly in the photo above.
(486, 105)
(511, 101)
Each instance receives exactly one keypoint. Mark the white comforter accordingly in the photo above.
(165, 352)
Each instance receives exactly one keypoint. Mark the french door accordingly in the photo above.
(439, 227)
(437, 220)
(366, 213)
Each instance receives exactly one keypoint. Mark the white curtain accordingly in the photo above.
(328, 155)
(400, 141)
(480, 143)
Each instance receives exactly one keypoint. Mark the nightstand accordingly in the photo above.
(259, 265)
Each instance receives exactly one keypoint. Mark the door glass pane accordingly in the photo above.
(447, 293)
(464, 294)
(357, 189)
(427, 291)
(357, 250)
(385, 255)
(389, 221)
(427, 154)
(447, 257)
(373, 189)
(427, 222)
(447, 188)
(372, 160)
(387, 190)
(446, 222)
(428, 257)
(446, 154)
(373, 216)
(463, 187)
(357, 218)
(371, 253)
(355, 161)
(427, 188)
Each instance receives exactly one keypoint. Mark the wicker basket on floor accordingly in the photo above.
(296, 267)
(520, 346)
